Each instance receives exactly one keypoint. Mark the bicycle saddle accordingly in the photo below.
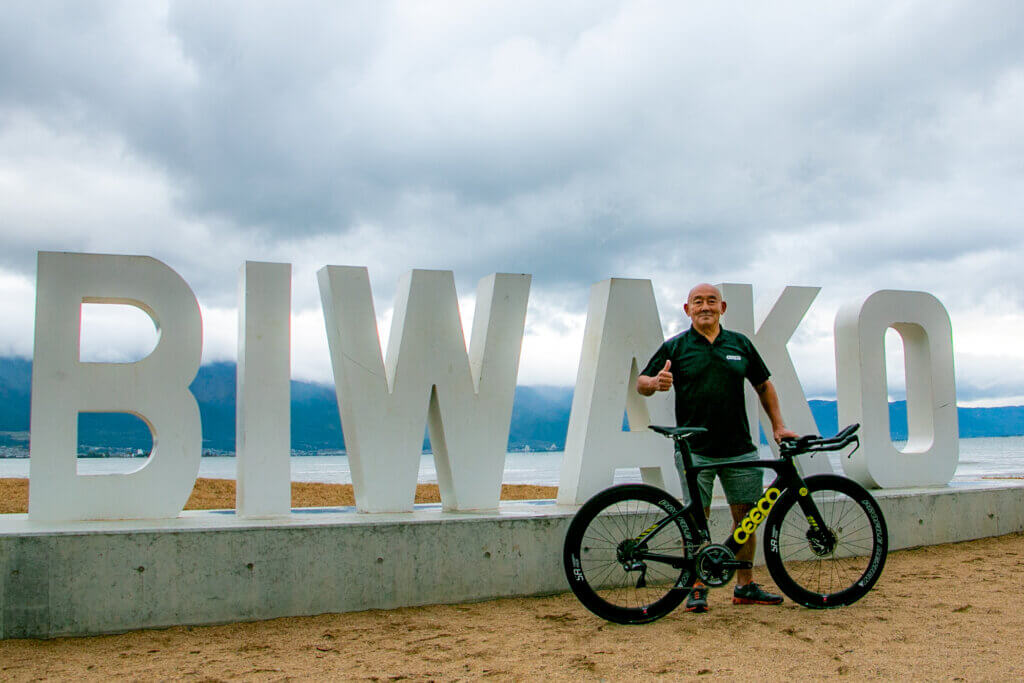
(676, 432)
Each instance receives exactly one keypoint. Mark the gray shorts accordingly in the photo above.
(741, 484)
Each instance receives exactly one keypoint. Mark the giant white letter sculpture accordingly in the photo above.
(623, 331)
(932, 451)
(770, 339)
(466, 401)
(263, 411)
(154, 389)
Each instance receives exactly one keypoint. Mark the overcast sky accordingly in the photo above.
(853, 146)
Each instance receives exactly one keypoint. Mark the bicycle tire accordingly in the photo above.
(600, 580)
(850, 570)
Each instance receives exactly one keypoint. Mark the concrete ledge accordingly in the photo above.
(211, 567)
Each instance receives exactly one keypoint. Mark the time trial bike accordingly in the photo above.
(633, 552)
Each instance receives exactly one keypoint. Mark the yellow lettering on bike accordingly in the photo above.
(756, 515)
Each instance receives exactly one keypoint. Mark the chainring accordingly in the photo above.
(711, 567)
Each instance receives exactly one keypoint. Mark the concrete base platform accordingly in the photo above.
(211, 567)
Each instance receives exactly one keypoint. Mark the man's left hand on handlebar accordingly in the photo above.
(781, 433)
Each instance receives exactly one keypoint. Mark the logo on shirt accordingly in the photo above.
(734, 357)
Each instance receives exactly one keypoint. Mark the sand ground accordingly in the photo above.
(944, 612)
(214, 494)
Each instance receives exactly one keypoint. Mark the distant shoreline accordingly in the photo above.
(539, 419)
(22, 452)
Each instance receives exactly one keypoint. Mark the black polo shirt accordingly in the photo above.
(708, 379)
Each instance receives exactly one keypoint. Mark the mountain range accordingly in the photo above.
(540, 415)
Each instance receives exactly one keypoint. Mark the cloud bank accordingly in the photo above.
(853, 146)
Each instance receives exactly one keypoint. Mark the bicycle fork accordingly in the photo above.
(820, 538)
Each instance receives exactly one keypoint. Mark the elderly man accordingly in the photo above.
(707, 365)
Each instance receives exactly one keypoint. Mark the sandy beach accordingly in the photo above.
(219, 494)
(941, 612)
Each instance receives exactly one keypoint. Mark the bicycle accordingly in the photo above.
(633, 552)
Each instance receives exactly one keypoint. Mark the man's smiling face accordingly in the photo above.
(705, 307)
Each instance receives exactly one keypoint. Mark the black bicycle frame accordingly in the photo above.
(787, 477)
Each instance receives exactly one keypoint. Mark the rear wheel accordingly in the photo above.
(827, 567)
(609, 561)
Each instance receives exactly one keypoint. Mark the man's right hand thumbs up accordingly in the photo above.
(664, 377)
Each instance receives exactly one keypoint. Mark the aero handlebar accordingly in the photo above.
(813, 442)
(789, 447)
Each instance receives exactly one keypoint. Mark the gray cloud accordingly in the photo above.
(854, 146)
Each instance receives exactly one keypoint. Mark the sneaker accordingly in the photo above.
(698, 600)
(753, 594)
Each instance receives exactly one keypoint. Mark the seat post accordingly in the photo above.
(683, 450)
(684, 466)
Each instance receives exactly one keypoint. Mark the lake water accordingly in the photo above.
(986, 457)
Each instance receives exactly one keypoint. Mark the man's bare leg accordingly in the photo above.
(697, 601)
(747, 592)
(746, 551)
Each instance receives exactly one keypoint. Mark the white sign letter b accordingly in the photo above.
(154, 389)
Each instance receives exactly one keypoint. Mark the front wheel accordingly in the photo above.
(620, 563)
(828, 567)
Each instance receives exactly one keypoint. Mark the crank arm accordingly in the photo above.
(737, 564)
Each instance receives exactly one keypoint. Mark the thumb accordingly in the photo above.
(668, 366)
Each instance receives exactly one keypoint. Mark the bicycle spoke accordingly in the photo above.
(800, 565)
(614, 571)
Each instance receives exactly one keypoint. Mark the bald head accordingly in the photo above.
(705, 307)
(705, 289)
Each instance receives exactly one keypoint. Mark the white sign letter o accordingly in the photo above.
(932, 451)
